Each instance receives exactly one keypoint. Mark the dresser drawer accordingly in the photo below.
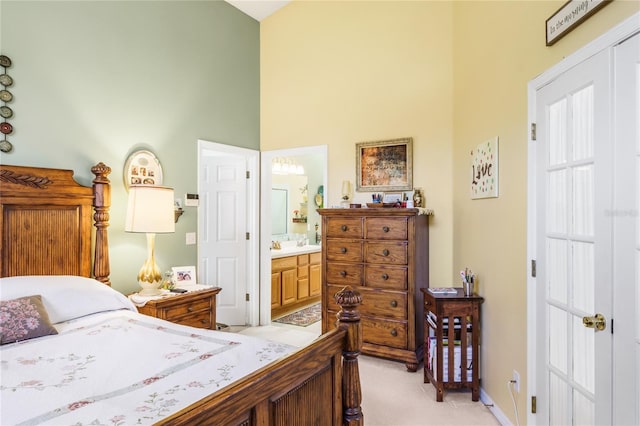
(172, 313)
(386, 228)
(381, 304)
(200, 319)
(385, 277)
(376, 331)
(385, 332)
(342, 274)
(344, 227)
(386, 252)
(384, 304)
(344, 250)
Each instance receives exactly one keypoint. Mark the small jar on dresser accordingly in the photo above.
(383, 253)
(194, 308)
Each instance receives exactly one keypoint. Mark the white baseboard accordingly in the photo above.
(495, 410)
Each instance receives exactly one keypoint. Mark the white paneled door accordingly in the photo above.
(225, 256)
(587, 242)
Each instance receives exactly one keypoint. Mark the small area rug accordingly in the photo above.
(303, 317)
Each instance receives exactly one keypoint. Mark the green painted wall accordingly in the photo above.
(97, 80)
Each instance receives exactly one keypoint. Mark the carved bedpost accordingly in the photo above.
(349, 320)
(101, 205)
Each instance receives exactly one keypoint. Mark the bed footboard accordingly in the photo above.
(317, 385)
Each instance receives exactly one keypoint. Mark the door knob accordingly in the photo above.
(598, 322)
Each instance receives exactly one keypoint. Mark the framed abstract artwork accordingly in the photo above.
(384, 165)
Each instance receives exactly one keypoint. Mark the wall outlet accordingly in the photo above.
(516, 381)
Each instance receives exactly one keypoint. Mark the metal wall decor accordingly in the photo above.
(5, 111)
(142, 168)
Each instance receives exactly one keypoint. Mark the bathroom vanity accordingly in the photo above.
(295, 278)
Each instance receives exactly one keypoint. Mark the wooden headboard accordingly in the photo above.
(46, 222)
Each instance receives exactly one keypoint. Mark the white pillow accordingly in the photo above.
(66, 296)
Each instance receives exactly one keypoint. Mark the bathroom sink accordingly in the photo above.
(290, 248)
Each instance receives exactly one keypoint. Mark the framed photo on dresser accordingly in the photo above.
(185, 275)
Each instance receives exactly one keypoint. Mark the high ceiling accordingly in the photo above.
(258, 9)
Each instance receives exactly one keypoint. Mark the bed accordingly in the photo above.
(84, 359)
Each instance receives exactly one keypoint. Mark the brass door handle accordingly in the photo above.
(598, 322)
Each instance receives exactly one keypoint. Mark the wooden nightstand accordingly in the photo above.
(196, 309)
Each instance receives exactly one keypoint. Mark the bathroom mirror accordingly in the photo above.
(279, 209)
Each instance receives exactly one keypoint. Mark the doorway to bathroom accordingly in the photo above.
(296, 230)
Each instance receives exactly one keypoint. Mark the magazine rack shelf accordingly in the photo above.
(452, 341)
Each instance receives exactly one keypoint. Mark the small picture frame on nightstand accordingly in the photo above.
(184, 275)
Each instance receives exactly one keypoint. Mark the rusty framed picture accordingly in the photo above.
(384, 165)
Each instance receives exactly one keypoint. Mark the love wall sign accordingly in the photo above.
(484, 170)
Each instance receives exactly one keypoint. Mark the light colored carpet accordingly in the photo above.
(391, 396)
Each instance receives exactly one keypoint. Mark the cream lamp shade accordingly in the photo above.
(150, 210)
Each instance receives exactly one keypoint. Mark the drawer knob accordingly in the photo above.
(394, 332)
(343, 250)
(190, 309)
(394, 304)
(343, 273)
(385, 277)
(385, 252)
(385, 229)
(344, 228)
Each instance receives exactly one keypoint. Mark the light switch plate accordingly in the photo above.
(190, 238)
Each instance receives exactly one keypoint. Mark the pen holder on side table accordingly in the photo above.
(467, 288)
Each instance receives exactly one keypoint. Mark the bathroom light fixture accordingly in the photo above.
(286, 166)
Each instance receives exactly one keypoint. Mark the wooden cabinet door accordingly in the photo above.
(289, 286)
(276, 284)
(303, 281)
(315, 280)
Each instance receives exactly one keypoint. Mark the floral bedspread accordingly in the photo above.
(121, 368)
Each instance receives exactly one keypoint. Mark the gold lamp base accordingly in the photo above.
(150, 277)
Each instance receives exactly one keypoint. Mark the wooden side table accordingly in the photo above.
(452, 342)
(196, 308)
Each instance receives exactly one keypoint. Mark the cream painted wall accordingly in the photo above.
(338, 73)
(499, 47)
(451, 75)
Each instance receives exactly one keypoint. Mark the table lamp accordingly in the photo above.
(150, 210)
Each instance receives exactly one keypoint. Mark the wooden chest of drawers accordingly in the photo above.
(196, 309)
(383, 254)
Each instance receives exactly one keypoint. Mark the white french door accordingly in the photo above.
(585, 230)
(574, 172)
